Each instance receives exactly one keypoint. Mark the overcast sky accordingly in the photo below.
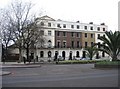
(96, 11)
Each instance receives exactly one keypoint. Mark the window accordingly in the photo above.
(85, 44)
(91, 28)
(49, 24)
(78, 27)
(49, 33)
(42, 24)
(78, 34)
(77, 54)
(41, 32)
(103, 29)
(58, 33)
(64, 25)
(103, 35)
(72, 34)
(98, 28)
(64, 44)
(41, 53)
(72, 26)
(49, 43)
(92, 44)
(78, 44)
(98, 36)
(58, 25)
(92, 35)
(58, 44)
(72, 44)
(85, 27)
(85, 34)
(49, 54)
(64, 33)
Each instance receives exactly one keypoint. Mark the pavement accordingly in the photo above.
(5, 73)
(16, 65)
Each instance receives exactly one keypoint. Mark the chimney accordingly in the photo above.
(90, 22)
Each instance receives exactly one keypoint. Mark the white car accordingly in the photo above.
(85, 58)
(60, 58)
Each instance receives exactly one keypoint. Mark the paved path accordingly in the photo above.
(16, 65)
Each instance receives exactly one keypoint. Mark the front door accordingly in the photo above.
(63, 55)
(84, 54)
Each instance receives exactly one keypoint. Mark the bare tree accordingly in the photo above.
(21, 26)
(6, 33)
(18, 14)
(32, 36)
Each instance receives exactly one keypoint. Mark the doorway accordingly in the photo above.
(84, 54)
(63, 55)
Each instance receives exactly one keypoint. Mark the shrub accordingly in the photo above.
(109, 63)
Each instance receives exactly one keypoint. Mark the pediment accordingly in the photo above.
(46, 18)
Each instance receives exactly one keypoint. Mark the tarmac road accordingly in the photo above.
(72, 75)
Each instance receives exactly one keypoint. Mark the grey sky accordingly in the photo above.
(85, 11)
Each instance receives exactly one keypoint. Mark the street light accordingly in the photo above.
(70, 55)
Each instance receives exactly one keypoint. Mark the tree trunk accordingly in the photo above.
(114, 58)
(27, 52)
(20, 54)
(90, 58)
(6, 52)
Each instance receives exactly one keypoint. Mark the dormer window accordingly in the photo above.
(102, 23)
(91, 28)
(72, 26)
(98, 28)
(64, 25)
(78, 27)
(103, 29)
(58, 25)
(85, 27)
(91, 23)
(49, 24)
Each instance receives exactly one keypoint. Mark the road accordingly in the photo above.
(76, 75)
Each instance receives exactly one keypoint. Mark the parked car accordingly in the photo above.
(60, 58)
(86, 58)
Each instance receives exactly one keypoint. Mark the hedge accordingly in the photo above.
(79, 61)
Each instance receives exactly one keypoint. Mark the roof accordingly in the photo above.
(45, 18)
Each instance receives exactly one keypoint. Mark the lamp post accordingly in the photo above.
(1, 49)
(56, 57)
(49, 53)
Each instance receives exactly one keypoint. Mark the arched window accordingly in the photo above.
(63, 55)
(49, 43)
(77, 54)
(49, 53)
(41, 53)
(56, 55)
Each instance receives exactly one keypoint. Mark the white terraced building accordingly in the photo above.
(67, 39)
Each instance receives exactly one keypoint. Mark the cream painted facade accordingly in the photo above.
(50, 26)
